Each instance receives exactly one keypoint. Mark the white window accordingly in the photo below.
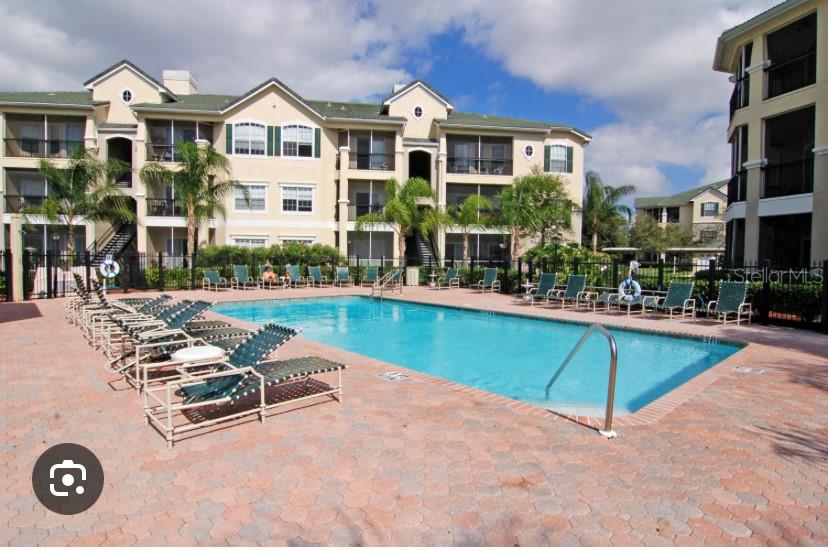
(297, 141)
(528, 151)
(557, 158)
(249, 241)
(297, 199)
(308, 241)
(418, 112)
(258, 198)
(710, 208)
(248, 138)
(126, 95)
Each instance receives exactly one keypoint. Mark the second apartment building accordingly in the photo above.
(311, 166)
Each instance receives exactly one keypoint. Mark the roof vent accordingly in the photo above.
(397, 87)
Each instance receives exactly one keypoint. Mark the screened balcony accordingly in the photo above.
(369, 149)
(792, 53)
(164, 135)
(789, 143)
(43, 136)
(491, 155)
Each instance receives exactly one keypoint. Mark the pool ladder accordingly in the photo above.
(388, 281)
(613, 367)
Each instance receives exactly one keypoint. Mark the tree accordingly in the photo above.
(537, 202)
(602, 214)
(471, 214)
(649, 237)
(402, 210)
(201, 182)
(85, 189)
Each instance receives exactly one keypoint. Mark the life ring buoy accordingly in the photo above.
(109, 268)
(625, 286)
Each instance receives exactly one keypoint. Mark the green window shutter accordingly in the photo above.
(701, 209)
(317, 142)
(269, 141)
(547, 152)
(569, 159)
(277, 141)
(228, 131)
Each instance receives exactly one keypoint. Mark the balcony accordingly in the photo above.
(791, 75)
(476, 165)
(35, 148)
(741, 95)
(164, 153)
(737, 188)
(355, 211)
(16, 204)
(791, 178)
(371, 161)
(165, 207)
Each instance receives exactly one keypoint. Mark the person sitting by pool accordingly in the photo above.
(269, 276)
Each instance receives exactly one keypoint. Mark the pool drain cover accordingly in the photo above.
(748, 370)
(393, 376)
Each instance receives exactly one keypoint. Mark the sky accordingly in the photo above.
(636, 74)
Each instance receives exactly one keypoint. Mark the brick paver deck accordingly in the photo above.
(743, 460)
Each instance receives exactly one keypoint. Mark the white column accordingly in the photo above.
(16, 246)
(342, 201)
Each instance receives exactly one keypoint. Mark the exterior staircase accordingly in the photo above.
(115, 245)
(423, 252)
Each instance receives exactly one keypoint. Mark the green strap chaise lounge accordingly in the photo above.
(212, 281)
(678, 299)
(316, 278)
(296, 280)
(449, 280)
(343, 276)
(243, 384)
(371, 276)
(731, 302)
(489, 281)
(574, 292)
(241, 279)
(546, 286)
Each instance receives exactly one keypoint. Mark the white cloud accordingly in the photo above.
(646, 61)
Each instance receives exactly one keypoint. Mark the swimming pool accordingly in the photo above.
(508, 355)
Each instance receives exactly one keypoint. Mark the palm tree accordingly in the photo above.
(201, 183)
(402, 210)
(85, 189)
(601, 209)
(470, 215)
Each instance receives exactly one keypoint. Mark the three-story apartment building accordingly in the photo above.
(697, 210)
(778, 191)
(311, 166)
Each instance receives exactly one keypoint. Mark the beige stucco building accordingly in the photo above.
(778, 191)
(311, 167)
(697, 210)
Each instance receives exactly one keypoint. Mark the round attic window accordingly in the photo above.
(528, 151)
(126, 95)
(418, 112)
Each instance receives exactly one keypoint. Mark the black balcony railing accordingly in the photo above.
(473, 165)
(741, 95)
(161, 153)
(16, 204)
(371, 161)
(355, 211)
(56, 149)
(791, 75)
(737, 188)
(164, 207)
(124, 180)
(791, 178)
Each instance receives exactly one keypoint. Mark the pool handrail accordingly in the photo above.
(613, 367)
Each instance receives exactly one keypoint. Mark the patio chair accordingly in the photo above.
(315, 276)
(295, 279)
(371, 276)
(212, 281)
(489, 281)
(604, 299)
(679, 298)
(269, 284)
(449, 280)
(731, 301)
(241, 279)
(546, 286)
(574, 292)
(343, 276)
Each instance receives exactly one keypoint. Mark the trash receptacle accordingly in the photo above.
(412, 276)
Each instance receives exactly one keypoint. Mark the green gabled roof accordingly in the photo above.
(679, 198)
(135, 68)
(461, 118)
(415, 83)
(350, 110)
(81, 99)
(192, 102)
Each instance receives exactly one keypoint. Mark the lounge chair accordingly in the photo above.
(212, 281)
(343, 276)
(240, 382)
(449, 280)
(371, 276)
(679, 298)
(604, 299)
(574, 292)
(489, 281)
(545, 288)
(295, 279)
(241, 279)
(260, 281)
(315, 276)
(731, 301)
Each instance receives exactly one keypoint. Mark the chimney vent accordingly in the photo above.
(180, 82)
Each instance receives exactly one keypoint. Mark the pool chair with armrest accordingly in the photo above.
(678, 299)
(573, 294)
(212, 281)
(731, 302)
(371, 276)
(316, 278)
(602, 300)
(449, 280)
(270, 283)
(242, 384)
(489, 281)
(105, 322)
(296, 280)
(241, 279)
(343, 276)
(546, 286)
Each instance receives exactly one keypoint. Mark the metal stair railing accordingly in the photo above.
(613, 367)
(386, 281)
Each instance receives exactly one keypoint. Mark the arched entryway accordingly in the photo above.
(419, 165)
(121, 149)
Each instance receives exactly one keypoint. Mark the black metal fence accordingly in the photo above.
(794, 296)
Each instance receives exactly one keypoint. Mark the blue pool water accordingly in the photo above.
(507, 355)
